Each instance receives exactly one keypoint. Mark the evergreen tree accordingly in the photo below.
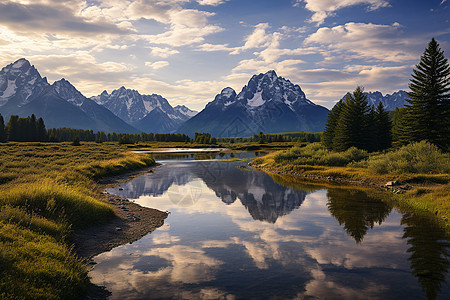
(383, 128)
(12, 130)
(427, 117)
(399, 136)
(371, 141)
(330, 126)
(76, 141)
(41, 132)
(352, 126)
(2, 130)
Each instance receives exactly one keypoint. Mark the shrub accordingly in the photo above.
(419, 157)
(316, 154)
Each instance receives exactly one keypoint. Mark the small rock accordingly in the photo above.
(391, 184)
(120, 189)
(118, 229)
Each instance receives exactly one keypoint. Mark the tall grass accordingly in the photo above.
(421, 157)
(46, 191)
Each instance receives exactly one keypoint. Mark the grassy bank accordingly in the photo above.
(420, 172)
(46, 192)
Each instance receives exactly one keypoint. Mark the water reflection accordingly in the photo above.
(429, 252)
(356, 211)
(264, 199)
(246, 236)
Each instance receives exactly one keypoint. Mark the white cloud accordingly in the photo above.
(326, 8)
(163, 52)
(211, 2)
(157, 65)
(187, 27)
(365, 41)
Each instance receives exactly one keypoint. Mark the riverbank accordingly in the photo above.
(130, 224)
(50, 196)
(427, 193)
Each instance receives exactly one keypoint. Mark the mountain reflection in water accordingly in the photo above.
(238, 234)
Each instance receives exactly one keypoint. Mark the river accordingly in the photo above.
(237, 233)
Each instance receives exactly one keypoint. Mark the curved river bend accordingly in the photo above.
(236, 233)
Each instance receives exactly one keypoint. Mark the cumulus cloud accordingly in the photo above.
(157, 64)
(52, 16)
(365, 41)
(163, 52)
(211, 2)
(187, 26)
(325, 8)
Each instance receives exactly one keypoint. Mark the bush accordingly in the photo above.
(421, 157)
(317, 154)
(76, 141)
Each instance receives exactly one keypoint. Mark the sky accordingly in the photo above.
(189, 50)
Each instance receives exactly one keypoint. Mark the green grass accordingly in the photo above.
(46, 192)
(420, 164)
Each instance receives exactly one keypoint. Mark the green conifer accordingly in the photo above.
(330, 126)
(383, 128)
(2, 130)
(427, 117)
(352, 126)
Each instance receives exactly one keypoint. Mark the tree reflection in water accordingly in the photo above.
(429, 251)
(356, 211)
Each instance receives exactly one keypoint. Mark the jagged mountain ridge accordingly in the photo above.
(149, 113)
(18, 82)
(390, 101)
(24, 92)
(268, 103)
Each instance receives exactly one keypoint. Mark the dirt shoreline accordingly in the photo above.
(132, 222)
(396, 187)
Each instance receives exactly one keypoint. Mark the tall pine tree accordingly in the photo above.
(352, 129)
(2, 130)
(427, 117)
(383, 128)
(330, 126)
(12, 128)
(41, 132)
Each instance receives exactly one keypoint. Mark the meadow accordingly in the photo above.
(48, 191)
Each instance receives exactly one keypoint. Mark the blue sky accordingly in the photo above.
(189, 50)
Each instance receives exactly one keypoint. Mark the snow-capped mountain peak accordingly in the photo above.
(18, 81)
(182, 109)
(269, 87)
(133, 107)
(390, 102)
(268, 103)
(68, 92)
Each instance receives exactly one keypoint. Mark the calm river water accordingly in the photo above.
(236, 233)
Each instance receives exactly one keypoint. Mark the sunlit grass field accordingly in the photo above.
(47, 190)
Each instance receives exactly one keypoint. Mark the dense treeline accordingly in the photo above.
(27, 129)
(69, 134)
(310, 137)
(204, 138)
(31, 129)
(353, 123)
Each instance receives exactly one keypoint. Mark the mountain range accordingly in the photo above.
(268, 103)
(24, 92)
(390, 102)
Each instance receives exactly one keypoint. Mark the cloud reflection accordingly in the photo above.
(219, 249)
